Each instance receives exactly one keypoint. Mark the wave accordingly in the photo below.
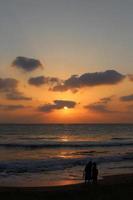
(119, 138)
(85, 153)
(54, 164)
(40, 138)
(65, 145)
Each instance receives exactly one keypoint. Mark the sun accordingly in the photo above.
(65, 108)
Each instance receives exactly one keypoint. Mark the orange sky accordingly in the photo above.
(116, 109)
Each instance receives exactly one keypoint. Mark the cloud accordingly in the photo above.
(16, 95)
(26, 64)
(41, 80)
(9, 87)
(56, 105)
(101, 106)
(109, 77)
(11, 107)
(106, 100)
(98, 107)
(127, 98)
(8, 84)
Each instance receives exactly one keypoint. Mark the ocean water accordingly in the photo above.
(56, 154)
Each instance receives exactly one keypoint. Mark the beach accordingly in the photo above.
(110, 188)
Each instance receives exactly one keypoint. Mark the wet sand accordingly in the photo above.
(110, 188)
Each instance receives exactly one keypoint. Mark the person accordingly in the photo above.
(88, 172)
(94, 173)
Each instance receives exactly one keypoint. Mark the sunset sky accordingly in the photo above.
(66, 61)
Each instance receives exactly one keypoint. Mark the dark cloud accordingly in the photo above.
(27, 64)
(11, 107)
(75, 82)
(9, 87)
(106, 100)
(57, 105)
(100, 106)
(127, 98)
(16, 95)
(8, 84)
(41, 80)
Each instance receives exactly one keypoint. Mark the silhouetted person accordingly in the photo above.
(88, 172)
(94, 173)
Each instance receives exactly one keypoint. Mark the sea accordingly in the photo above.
(56, 154)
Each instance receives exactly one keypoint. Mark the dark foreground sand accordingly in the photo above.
(118, 187)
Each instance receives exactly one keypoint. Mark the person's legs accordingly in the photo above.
(95, 180)
(85, 179)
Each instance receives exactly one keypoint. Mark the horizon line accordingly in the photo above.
(102, 123)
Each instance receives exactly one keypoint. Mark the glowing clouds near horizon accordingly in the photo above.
(57, 105)
(47, 98)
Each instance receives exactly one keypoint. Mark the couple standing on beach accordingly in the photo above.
(91, 172)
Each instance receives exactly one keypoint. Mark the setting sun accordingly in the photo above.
(65, 108)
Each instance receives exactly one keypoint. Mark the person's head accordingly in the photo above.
(90, 163)
(94, 164)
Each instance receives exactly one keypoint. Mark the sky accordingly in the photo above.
(66, 61)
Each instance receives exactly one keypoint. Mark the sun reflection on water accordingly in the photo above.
(65, 138)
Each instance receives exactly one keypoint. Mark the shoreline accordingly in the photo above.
(110, 188)
(110, 179)
(106, 180)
